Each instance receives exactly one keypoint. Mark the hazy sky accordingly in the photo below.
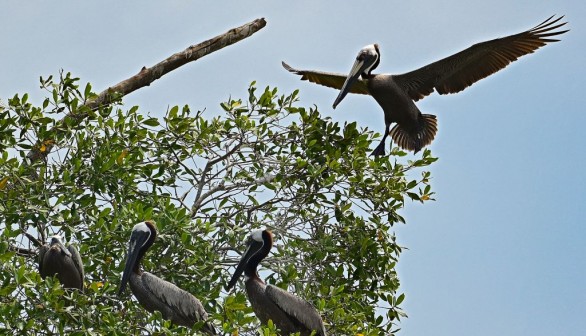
(502, 250)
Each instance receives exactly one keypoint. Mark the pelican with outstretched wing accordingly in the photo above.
(396, 94)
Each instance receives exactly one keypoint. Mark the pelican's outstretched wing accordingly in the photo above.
(328, 79)
(457, 72)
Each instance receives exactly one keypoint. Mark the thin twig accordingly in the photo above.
(222, 187)
(209, 165)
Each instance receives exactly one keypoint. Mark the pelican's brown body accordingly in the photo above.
(416, 130)
(65, 263)
(266, 309)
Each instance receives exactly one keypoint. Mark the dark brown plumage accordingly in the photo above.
(396, 93)
(65, 263)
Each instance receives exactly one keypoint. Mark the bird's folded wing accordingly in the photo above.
(77, 261)
(297, 308)
(177, 299)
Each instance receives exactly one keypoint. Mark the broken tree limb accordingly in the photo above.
(148, 75)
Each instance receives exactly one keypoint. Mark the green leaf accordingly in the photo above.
(151, 122)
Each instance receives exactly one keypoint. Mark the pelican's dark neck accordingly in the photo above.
(377, 62)
(136, 269)
(251, 267)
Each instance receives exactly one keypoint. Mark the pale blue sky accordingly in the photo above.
(502, 249)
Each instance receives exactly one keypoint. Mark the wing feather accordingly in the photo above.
(42, 250)
(457, 72)
(77, 261)
(333, 80)
(178, 300)
(296, 307)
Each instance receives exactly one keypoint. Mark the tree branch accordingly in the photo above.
(209, 165)
(22, 251)
(222, 187)
(148, 75)
(34, 240)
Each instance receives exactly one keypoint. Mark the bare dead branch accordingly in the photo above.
(148, 75)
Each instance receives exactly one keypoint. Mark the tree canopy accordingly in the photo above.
(85, 166)
(207, 179)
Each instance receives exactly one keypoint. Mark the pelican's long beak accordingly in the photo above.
(361, 64)
(56, 240)
(137, 241)
(253, 247)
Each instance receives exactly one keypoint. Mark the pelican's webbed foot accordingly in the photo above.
(379, 150)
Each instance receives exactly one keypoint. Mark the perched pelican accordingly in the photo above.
(288, 312)
(56, 259)
(153, 293)
(396, 93)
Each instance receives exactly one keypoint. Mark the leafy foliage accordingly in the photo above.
(206, 181)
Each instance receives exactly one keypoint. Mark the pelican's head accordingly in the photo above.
(142, 237)
(370, 56)
(56, 243)
(258, 243)
(367, 60)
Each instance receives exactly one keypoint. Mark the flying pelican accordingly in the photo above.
(288, 312)
(396, 93)
(153, 293)
(56, 259)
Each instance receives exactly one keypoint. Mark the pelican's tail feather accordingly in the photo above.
(414, 141)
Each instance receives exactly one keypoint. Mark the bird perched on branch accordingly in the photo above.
(154, 293)
(288, 312)
(64, 262)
